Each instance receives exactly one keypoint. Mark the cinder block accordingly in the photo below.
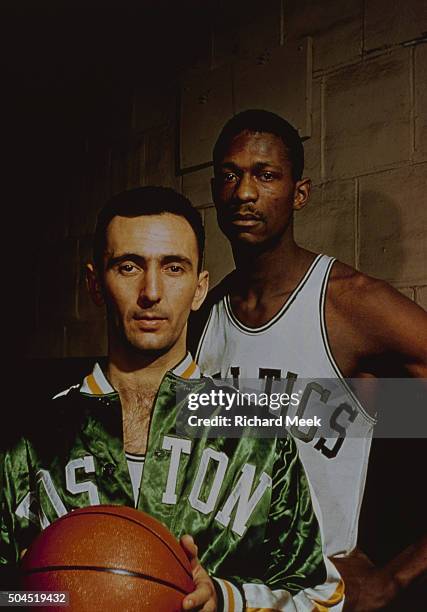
(421, 102)
(309, 17)
(367, 114)
(160, 156)
(86, 339)
(47, 341)
(58, 278)
(241, 28)
(196, 186)
(393, 225)
(390, 22)
(327, 223)
(340, 44)
(218, 255)
(280, 82)
(407, 292)
(206, 104)
(421, 296)
(312, 146)
(335, 26)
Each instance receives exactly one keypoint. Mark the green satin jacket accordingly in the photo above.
(246, 501)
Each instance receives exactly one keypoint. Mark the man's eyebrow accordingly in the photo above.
(266, 164)
(140, 260)
(229, 164)
(177, 258)
(114, 261)
(260, 165)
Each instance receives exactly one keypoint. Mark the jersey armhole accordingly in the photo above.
(372, 420)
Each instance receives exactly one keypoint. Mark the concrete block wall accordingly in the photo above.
(366, 102)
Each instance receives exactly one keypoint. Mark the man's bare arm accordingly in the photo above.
(370, 588)
(373, 329)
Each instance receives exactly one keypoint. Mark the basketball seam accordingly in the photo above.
(73, 515)
(110, 570)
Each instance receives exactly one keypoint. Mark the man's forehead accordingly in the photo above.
(155, 234)
(255, 143)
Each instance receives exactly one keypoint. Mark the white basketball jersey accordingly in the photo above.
(293, 345)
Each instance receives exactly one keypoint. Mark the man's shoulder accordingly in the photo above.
(346, 275)
(384, 330)
(353, 290)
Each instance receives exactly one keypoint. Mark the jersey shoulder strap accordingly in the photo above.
(198, 319)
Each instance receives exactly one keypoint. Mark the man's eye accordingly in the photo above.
(175, 268)
(127, 268)
(267, 176)
(229, 177)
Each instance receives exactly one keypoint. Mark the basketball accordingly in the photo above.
(109, 558)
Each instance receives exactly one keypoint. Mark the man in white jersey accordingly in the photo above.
(286, 313)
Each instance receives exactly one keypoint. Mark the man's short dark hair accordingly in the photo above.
(262, 121)
(146, 201)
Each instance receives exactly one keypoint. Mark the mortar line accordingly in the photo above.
(322, 128)
(412, 113)
(357, 224)
(282, 22)
(363, 28)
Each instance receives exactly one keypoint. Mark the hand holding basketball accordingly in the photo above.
(109, 558)
(205, 594)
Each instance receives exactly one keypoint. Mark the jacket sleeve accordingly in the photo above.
(16, 528)
(8, 556)
(289, 572)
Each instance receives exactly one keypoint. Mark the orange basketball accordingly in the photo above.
(109, 558)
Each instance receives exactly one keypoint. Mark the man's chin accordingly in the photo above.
(151, 348)
(242, 235)
(143, 342)
(252, 242)
(246, 239)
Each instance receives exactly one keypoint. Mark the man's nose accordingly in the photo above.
(151, 287)
(247, 190)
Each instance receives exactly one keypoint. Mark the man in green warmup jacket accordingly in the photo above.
(112, 439)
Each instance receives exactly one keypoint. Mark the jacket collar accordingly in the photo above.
(97, 383)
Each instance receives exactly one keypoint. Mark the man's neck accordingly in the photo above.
(141, 372)
(137, 377)
(271, 272)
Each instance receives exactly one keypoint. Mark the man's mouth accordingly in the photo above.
(149, 322)
(245, 220)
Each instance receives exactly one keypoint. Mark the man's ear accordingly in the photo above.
(94, 286)
(201, 291)
(302, 193)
